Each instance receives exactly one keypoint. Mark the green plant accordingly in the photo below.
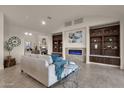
(8, 47)
(11, 43)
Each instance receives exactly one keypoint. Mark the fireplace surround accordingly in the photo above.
(76, 54)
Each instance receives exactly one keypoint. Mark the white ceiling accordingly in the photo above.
(30, 15)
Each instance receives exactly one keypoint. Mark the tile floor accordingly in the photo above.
(88, 76)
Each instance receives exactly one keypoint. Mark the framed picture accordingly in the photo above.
(75, 37)
(44, 41)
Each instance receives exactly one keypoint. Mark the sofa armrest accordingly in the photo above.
(51, 68)
(51, 75)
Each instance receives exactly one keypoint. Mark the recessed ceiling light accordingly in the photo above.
(26, 33)
(43, 22)
(26, 17)
(30, 34)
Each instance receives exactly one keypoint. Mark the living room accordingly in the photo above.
(90, 36)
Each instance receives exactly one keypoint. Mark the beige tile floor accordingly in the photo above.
(88, 76)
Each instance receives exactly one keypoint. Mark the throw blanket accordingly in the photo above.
(59, 65)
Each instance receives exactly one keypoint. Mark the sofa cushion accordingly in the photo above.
(47, 58)
(32, 55)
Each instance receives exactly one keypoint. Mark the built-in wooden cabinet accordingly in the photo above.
(105, 44)
(105, 60)
(57, 43)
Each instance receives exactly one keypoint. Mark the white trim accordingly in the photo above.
(103, 64)
(1, 39)
(87, 45)
(1, 67)
(105, 25)
(121, 44)
(121, 67)
(105, 56)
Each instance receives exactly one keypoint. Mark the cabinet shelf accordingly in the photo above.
(105, 44)
(57, 43)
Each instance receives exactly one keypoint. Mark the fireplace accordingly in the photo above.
(75, 52)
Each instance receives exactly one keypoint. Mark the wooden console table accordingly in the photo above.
(8, 62)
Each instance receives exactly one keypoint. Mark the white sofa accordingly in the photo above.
(40, 67)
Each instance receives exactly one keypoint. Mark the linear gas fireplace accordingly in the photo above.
(75, 52)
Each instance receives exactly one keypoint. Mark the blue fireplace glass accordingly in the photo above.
(75, 52)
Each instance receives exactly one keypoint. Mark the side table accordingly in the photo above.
(8, 62)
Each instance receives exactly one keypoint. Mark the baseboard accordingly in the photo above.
(1, 67)
(121, 67)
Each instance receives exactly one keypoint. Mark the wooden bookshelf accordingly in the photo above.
(105, 44)
(57, 43)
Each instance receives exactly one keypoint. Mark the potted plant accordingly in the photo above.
(11, 43)
(9, 48)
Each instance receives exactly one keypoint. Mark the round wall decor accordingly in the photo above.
(14, 41)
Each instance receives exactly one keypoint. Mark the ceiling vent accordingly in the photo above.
(68, 23)
(78, 21)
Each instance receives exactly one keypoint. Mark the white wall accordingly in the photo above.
(48, 40)
(88, 21)
(1, 39)
(12, 30)
(72, 45)
(122, 43)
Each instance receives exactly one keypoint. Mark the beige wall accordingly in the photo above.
(1, 39)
